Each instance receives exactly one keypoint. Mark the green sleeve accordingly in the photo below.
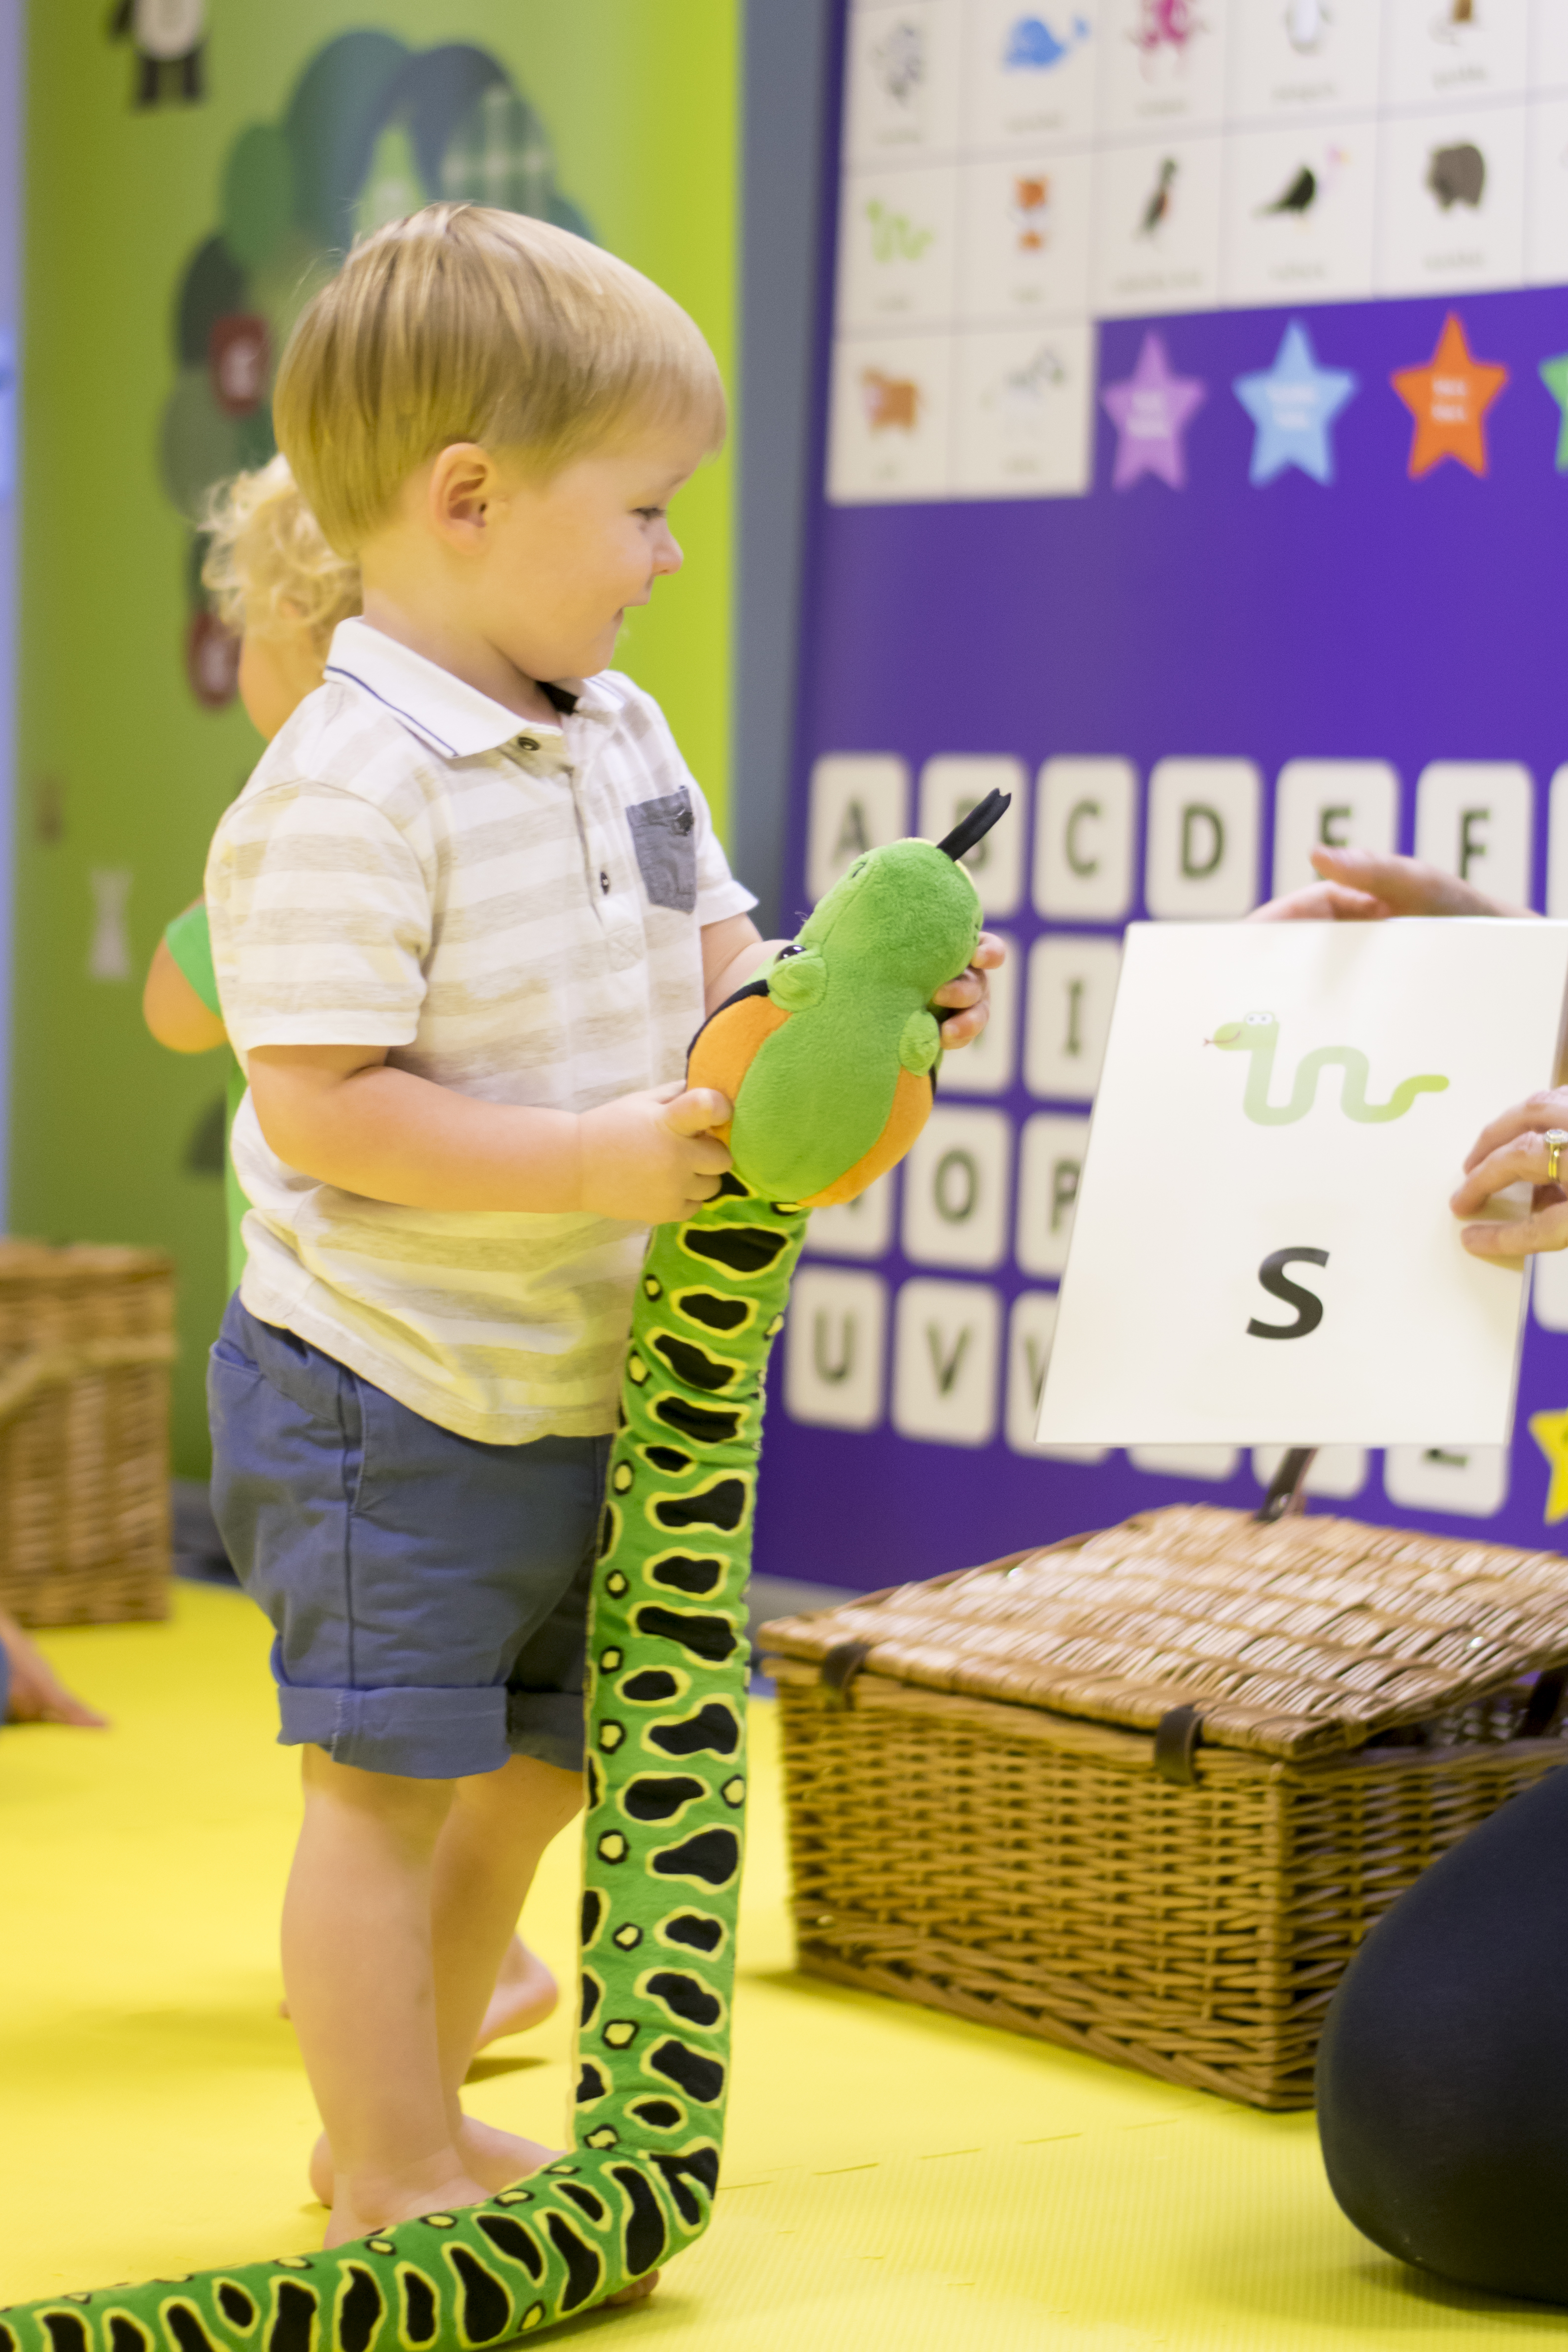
(190, 943)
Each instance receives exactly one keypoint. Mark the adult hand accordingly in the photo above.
(970, 994)
(1358, 886)
(1510, 1151)
(36, 1694)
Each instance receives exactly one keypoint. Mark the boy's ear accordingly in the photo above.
(463, 482)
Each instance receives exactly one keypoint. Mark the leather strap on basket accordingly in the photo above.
(1545, 1703)
(1176, 1736)
(839, 1668)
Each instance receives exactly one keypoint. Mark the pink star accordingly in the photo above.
(1149, 409)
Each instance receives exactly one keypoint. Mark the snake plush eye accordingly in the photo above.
(1259, 1019)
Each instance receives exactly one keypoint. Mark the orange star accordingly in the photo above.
(1449, 401)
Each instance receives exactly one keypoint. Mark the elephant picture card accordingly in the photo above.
(1262, 1248)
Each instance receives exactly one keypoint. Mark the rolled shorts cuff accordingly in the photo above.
(424, 1735)
(547, 1725)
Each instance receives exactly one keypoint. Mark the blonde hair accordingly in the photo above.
(462, 323)
(268, 566)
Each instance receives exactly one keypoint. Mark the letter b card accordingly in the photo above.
(1262, 1249)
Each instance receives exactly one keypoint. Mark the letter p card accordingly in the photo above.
(1262, 1249)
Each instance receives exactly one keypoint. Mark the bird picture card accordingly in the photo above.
(1262, 1250)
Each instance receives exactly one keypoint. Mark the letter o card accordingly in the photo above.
(1262, 1248)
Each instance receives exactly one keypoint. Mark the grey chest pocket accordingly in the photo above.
(664, 835)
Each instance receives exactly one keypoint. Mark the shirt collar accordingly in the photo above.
(454, 718)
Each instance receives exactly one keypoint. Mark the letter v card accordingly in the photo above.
(1263, 1251)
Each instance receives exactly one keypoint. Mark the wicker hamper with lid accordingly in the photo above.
(1145, 1792)
(85, 1341)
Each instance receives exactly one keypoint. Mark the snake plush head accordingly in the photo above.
(1245, 1037)
(830, 1053)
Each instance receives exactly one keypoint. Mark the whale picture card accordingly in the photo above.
(1262, 1249)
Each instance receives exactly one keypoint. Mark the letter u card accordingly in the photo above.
(1263, 1251)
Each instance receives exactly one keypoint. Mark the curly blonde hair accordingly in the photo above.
(268, 566)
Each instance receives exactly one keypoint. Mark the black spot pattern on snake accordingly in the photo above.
(645, 2235)
(714, 1314)
(693, 1365)
(722, 1504)
(694, 1930)
(511, 2239)
(237, 2307)
(742, 1249)
(585, 2200)
(418, 2306)
(590, 2083)
(359, 2310)
(609, 1528)
(68, 2332)
(583, 2263)
(659, 2115)
(294, 2311)
(701, 2165)
(685, 1996)
(591, 1994)
(487, 2307)
(186, 2327)
(692, 2071)
(730, 1189)
(651, 1688)
(124, 2335)
(683, 1573)
(667, 1458)
(660, 1796)
(712, 1856)
(706, 1637)
(595, 1782)
(705, 1425)
(592, 1916)
(713, 1731)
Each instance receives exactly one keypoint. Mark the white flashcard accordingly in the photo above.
(1086, 839)
(1030, 1329)
(1476, 818)
(902, 77)
(1024, 238)
(862, 1227)
(956, 1188)
(1050, 1169)
(897, 240)
(1201, 860)
(1546, 202)
(950, 786)
(1161, 65)
(1157, 240)
(1455, 50)
(947, 1341)
(1295, 57)
(1302, 214)
(1452, 201)
(1023, 413)
(889, 419)
(1030, 71)
(835, 1348)
(1072, 988)
(1263, 1251)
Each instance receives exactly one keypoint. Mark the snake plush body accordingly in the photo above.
(1258, 1036)
(829, 1059)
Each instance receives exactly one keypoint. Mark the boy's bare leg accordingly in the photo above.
(358, 1966)
(525, 1995)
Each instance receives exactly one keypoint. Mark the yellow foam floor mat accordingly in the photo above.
(892, 2179)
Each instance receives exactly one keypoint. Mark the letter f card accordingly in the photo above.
(1262, 1248)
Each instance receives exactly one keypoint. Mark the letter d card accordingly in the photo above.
(1262, 1247)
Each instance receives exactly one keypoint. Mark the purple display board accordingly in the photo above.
(1200, 585)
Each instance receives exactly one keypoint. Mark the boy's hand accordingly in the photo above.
(1360, 887)
(651, 1157)
(970, 993)
(1510, 1151)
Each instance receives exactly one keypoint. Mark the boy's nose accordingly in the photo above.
(669, 557)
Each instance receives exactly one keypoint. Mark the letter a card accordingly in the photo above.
(1262, 1250)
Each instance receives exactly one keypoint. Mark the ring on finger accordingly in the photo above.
(1555, 1139)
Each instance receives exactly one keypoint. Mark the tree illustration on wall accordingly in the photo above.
(372, 130)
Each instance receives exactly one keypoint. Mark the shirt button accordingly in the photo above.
(527, 743)
(604, 882)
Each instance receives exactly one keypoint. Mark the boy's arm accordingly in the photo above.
(733, 950)
(339, 1114)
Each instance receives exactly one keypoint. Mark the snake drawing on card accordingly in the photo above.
(1259, 1037)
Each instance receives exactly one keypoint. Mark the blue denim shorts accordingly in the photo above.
(429, 1594)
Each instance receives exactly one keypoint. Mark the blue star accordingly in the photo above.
(1293, 404)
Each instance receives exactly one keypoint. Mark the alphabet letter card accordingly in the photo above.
(1262, 1248)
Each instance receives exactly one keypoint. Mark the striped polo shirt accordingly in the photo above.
(515, 911)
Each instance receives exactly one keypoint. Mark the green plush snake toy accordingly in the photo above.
(829, 1059)
(1259, 1035)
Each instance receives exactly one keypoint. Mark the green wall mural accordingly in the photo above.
(177, 222)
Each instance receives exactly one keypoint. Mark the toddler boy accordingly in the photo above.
(466, 917)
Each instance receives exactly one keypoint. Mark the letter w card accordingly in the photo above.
(1262, 1249)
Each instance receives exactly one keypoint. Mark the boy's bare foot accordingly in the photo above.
(524, 1996)
(639, 2291)
(490, 2156)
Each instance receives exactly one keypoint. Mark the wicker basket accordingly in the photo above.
(85, 1341)
(1145, 1791)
